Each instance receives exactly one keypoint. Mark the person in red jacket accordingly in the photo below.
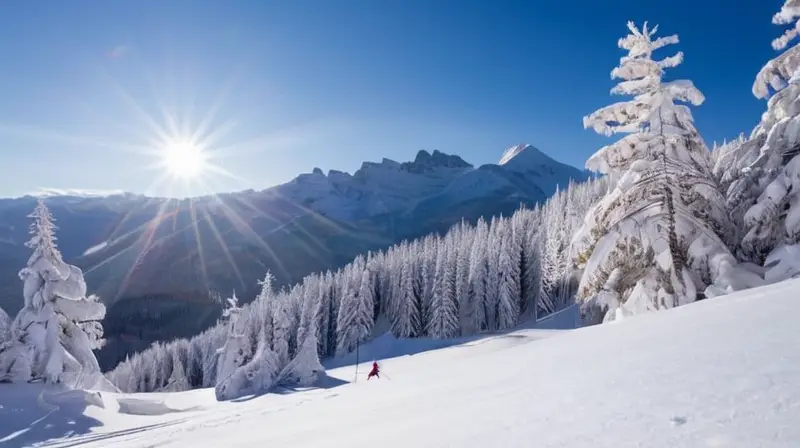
(374, 372)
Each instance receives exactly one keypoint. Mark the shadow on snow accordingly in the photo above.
(387, 346)
(323, 383)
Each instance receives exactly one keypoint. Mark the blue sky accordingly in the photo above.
(305, 83)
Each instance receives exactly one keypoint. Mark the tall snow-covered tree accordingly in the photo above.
(234, 354)
(54, 333)
(8, 351)
(552, 251)
(355, 314)
(493, 273)
(527, 224)
(772, 221)
(665, 206)
(281, 332)
(305, 368)
(463, 249)
(443, 323)
(407, 319)
(5, 326)
(508, 279)
(478, 280)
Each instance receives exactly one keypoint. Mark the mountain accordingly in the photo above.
(154, 261)
(717, 373)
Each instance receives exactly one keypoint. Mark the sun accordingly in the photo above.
(183, 159)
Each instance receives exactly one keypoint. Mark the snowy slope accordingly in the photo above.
(717, 373)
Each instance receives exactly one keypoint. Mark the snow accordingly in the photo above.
(783, 263)
(721, 372)
(74, 192)
(391, 187)
(512, 152)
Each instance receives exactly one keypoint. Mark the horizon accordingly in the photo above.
(46, 193)
(271, 90)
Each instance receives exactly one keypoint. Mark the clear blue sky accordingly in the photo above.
(303, 83)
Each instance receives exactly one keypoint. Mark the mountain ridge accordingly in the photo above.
(176, 254)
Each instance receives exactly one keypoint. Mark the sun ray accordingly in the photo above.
(240, 223)
(148, 235)
(197, 239)
(224, 247)
(202, 128)
(51, 136)
(141, 114)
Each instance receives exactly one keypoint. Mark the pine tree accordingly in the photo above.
(305, 368)
(324, 315)
(478, 279)
(355, 315)
(508, 281)
(492, 283)
(444, 314)
(463, 298)
(42, 231)
(552, 245)
(769, 191)
(526, 229)
(282, 322)
(407, 318)
(666, 201)
(59, 326)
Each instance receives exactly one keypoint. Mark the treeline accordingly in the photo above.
(476, 278)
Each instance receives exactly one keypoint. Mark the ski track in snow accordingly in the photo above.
(719, 373)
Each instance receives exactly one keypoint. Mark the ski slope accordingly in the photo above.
(718, 373)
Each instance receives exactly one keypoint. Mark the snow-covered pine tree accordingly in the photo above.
(772, 223)
(551, 239)
(407, 319)
(8, 352)
(43, 245)
(264, 308)
(54, 333)
(177, 380)
(464, 247)
(428, 260)
(281, 332)
(478, 279)
(355, 315)
(415, 255)
(724, 161)
(5, 327)
(305, 368)
(323, 315)
(665, 208)
(508, 278)
(234, 354)
(493, 273)
(248, 365)
(333, 312)
(443, 322)
(526, 224)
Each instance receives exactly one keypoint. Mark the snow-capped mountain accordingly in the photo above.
(158, 252)
(376, 188)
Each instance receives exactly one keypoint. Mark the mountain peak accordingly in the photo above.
(438, 158)
(515, 151)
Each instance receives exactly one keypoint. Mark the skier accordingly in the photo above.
(374, 372)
